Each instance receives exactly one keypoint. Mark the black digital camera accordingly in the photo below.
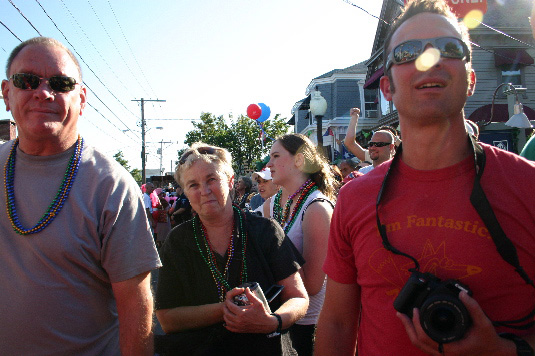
(442, 315)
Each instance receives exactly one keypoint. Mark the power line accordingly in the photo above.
(115, 45)
(130, 48)
(360, 8)
(20, 12)
(76, 25)
(83, 60)
(17, 37)
(504, 34)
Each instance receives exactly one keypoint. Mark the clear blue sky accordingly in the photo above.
(198, 55)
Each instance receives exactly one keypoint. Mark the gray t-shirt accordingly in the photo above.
(56, 296)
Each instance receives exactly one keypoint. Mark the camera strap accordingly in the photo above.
(478, 198)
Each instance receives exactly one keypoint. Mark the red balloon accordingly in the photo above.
(254, 111)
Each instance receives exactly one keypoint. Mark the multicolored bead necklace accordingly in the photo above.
(281, 215)
(238, 235)
(61, 196)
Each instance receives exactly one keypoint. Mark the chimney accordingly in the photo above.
(7, 130)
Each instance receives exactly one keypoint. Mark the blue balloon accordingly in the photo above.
(266, 111)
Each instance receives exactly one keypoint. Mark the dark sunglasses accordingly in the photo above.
(59, 83)
(378, 144)
(201, 150)
(449, 47)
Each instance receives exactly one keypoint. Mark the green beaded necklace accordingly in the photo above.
(239, 235)
(281, 216)
(61, 196)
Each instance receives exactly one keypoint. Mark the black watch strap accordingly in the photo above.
(279, 326)
(522, 346)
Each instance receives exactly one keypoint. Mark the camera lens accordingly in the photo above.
(444, 319)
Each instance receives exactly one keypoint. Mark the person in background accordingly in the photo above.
(351, 134)
(381, 149)
(303, 207)
(430, 211)
(243, 192)
(181, 209)
(76, 262)
(207, 259)
(163, 224)
(147, 203)
(256, 200)
(266, 189)
(337, 174)
(363, 164)
(347, 166)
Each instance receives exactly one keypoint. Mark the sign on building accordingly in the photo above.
(462, 7)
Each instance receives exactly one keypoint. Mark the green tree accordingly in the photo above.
(136, 173)
(241, 137)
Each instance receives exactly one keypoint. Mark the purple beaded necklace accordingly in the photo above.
(61, 196)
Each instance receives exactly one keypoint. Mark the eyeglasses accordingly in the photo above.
(378, 144)
(59, 83)
(449, 47)
(201, 150)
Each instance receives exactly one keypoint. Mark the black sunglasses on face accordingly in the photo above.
(201, 150)
(378, 144)
(408, 51)
(59, 83)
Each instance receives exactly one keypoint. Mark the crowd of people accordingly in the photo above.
(426, 249)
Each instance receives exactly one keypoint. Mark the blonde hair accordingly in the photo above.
(315, 165)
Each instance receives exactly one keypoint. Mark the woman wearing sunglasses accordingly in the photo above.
(303, 206)
(207, 258)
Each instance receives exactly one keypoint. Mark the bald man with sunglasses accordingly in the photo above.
(381, 148)
(76, 248)
(432, 252)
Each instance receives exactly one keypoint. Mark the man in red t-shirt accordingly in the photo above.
(427, 213)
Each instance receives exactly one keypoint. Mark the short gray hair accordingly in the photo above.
(207, 153)
(45, 41)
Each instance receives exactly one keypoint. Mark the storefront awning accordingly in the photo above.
(373, 82)
(305, 105)
(501, 113)
(512, 56)
(291, 121)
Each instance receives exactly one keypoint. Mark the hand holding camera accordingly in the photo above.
(442, 315)
(480, 339)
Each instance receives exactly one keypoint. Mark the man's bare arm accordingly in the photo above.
(134, 306)
(338, 321)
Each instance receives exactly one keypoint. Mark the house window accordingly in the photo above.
(386, 106)
(512, 75)
(370, 103)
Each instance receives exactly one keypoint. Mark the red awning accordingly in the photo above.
(373, 82)
(501, 113)
(512, 56)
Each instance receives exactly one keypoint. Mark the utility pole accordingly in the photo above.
(161, 155)
(143, 123)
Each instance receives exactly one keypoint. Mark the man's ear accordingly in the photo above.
(472, 84)
(5, 92)
(386, 87)
(83, 99)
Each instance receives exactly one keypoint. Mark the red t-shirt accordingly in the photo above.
(428, 215)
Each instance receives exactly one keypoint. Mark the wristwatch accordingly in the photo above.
(522, 346)
(279, 327)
